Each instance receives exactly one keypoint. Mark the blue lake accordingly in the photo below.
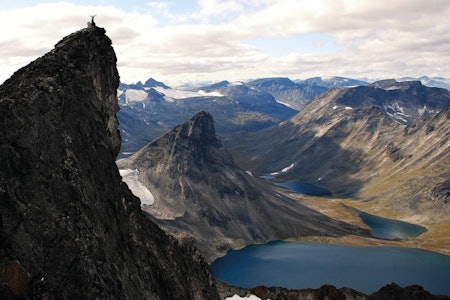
(379, 227)
(304, 188)
(310, 265)
(389, 228)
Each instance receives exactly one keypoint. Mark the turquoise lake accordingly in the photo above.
(390, 229)
(310, 265)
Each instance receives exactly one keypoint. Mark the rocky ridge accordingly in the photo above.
(388, 292)
(69, 228)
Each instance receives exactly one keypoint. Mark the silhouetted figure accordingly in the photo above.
(92, 23)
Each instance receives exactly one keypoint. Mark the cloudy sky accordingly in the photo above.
(179, 41)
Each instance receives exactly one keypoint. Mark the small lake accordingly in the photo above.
(303, 188)
(310, 265)
(379, 227)
(390, 229)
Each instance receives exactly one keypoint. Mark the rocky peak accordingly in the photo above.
(154, 83)
(189, 148)
(84, 59)
(66, 220)
(201, 129)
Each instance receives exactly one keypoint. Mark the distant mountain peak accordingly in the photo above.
(280, 81)
(219, 85)
(389, 84)
(154, 83)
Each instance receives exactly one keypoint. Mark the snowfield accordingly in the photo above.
(130, 177)
(132, 95)
(284, 170)
(180, 94)
(136, 95)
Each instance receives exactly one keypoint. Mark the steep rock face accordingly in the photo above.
(66, 219)
(201, 194)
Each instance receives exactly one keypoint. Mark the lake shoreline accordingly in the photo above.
(300, 265)
(435, 239)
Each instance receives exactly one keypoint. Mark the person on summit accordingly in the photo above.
(92, 23)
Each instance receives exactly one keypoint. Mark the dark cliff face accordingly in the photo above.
(68, 225)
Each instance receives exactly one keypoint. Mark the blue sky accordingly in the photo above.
(212, 40)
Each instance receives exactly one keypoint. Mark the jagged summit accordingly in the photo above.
(200, 129)
(188, 149)
(68, 225)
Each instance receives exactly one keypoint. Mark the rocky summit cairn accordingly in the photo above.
(69, 228)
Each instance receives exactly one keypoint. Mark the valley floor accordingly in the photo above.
(435, 239)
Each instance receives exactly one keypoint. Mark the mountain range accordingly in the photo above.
(201, 194)
(387, 143)
(149, 109)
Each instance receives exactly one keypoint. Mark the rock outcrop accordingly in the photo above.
(69, 228)
(201, 194)
(388, 292)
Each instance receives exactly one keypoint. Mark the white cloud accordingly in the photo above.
(373, 38)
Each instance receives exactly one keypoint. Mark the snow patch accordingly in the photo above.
(348, 108)
(132, 95)
(392, 88)
(236, 297)
(214, 94)
(287, 168)
(285, 104)
(425, 109)
(284, 170)
(249, 173)
(175, 94)
(131, 178)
